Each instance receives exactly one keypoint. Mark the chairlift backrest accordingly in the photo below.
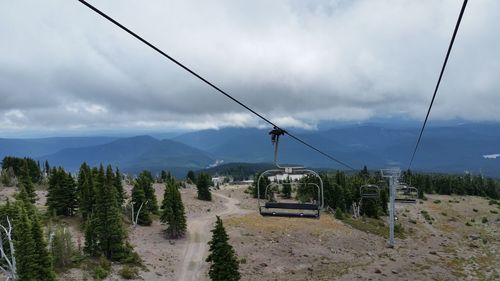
(270, 208)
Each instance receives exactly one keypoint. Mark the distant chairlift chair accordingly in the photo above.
(369, 192)
(406, 194)
(270, 207)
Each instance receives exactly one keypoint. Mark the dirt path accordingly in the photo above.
(192, 266)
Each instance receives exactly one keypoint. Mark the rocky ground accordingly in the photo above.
(451, 248)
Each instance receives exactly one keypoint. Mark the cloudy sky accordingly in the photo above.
(65, 69)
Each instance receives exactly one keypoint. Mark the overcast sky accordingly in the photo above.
(65, 69)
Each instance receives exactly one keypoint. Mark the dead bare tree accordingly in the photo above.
(10, 269)
(356, 209)
(135, 218)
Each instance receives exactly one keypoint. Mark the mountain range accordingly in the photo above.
(451, 148)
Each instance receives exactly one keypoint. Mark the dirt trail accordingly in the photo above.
(192, 265)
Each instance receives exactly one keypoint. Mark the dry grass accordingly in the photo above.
(258, 223)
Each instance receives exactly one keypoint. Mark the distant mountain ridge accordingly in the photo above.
(42, 146)
(450, 148)
(133, 155)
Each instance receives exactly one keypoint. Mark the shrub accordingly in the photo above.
(436, 201)
(493, 212)
(131, 257)
(129, 272)
(427, 217)
(243, 261)
(102, 269)
(468, 224)
(339, 214)
(484, 220)
(444, 214)
(475, 210)
(412, 221)
(62, 248)
(398, 229)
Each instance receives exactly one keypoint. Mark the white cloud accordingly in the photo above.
(296, 62)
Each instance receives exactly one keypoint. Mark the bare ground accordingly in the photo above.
(328, 249)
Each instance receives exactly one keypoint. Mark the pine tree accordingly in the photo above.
(46, 168)
(138, 200)
(109, 229)
(264, 181)
(364, 174)
(120, 193)
(202, 184)
(91, 246)
(69, 195)
(191, 177)
(287, 189)
(173, 210)
(26, 183)
(224, 264)
(43, 267)
(24, 245)
(61, 197)
(86, 196)
(163, 176)
(145, 181)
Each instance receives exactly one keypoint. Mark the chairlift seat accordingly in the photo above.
(405, 200)
(290, 215)
(370, 195)
(291, 206)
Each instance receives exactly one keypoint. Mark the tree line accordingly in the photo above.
(342, 190)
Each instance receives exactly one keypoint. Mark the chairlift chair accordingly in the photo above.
(286, 208)
(368, 192)
(406, 194)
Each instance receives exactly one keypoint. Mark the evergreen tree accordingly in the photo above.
(364, 174)
(43, 267)
(91, 246)
(163, 176)
(370, 208)
(26, 183)
(203, 184)
(26, 263)
(138, 199)
(62, 196)
(338, 198)
(145, 181)
(86, 196)
(191, 176)
(8, 177)
(222, 258)
(120, 193)
(264, 181)
(17, 165)
(69, 195)
(173, 210)
(287, 189)
(109, 229)
(46, 168)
